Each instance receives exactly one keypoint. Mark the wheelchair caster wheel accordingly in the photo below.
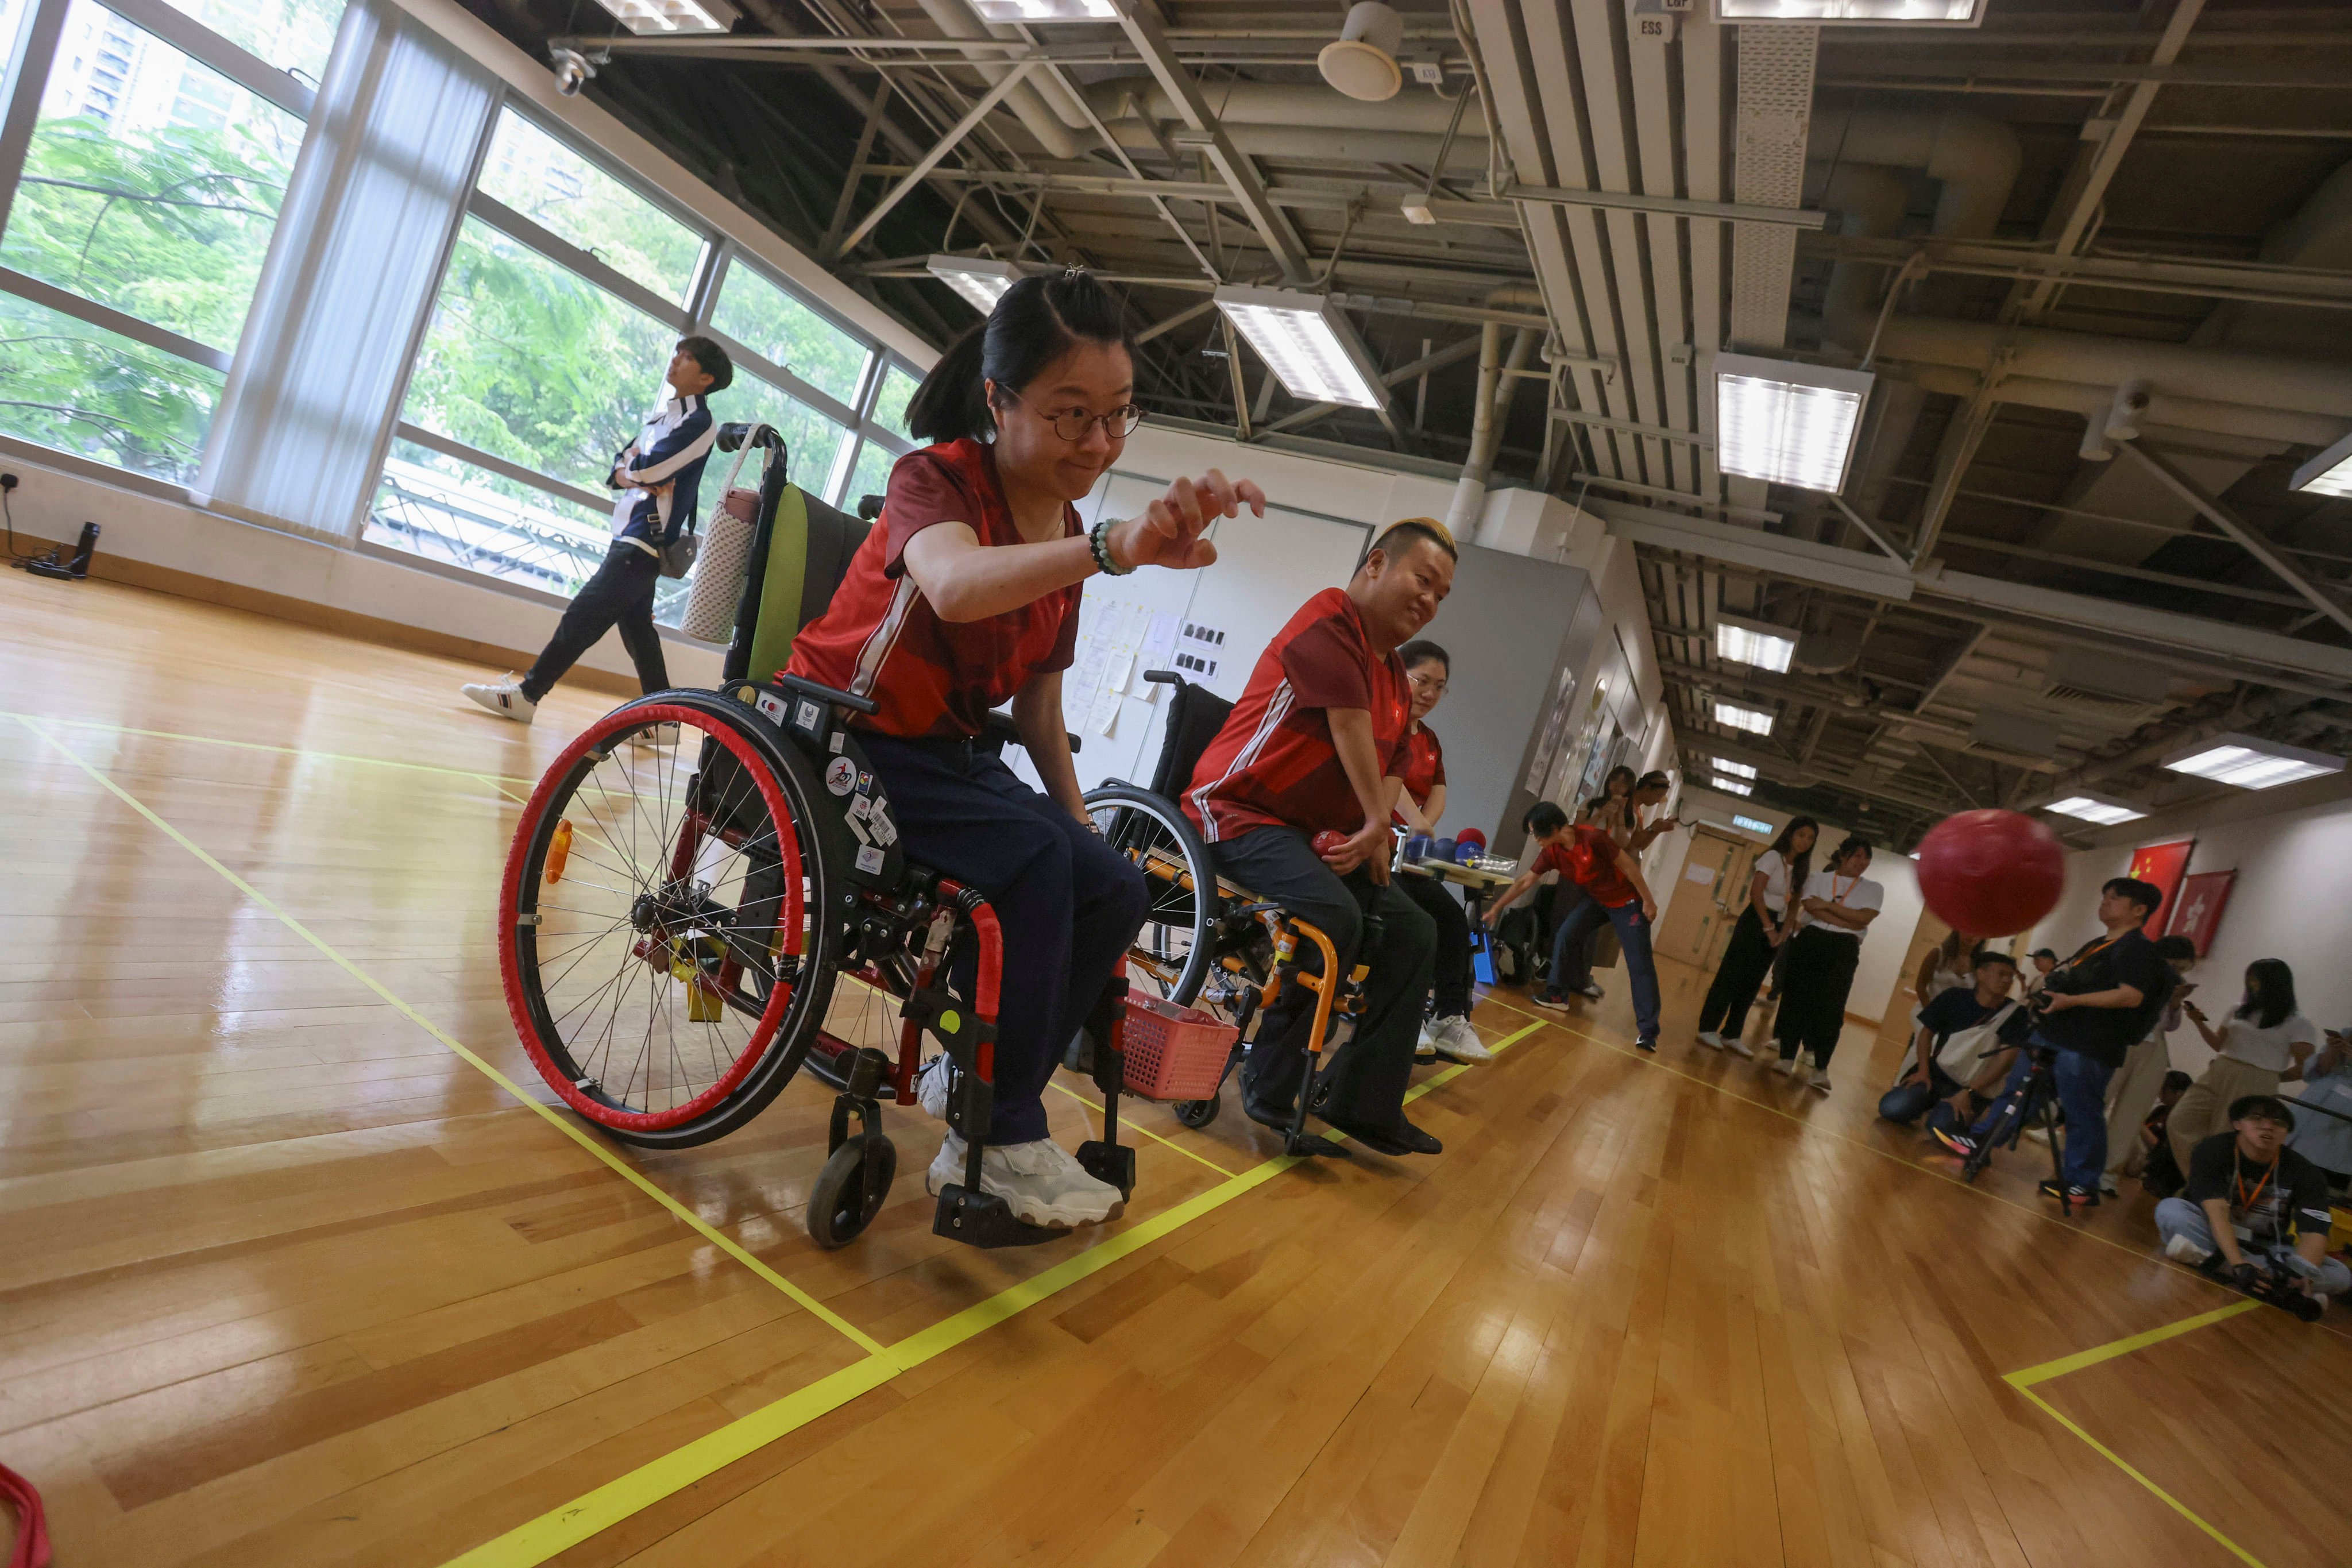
(1111, 1163)
(1198, 1112)
(850, 1189)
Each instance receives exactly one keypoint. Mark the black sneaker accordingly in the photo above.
(1960, 1143)
(1649, 1045)
(2073, 1197)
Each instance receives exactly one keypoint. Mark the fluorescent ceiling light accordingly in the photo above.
(2328, 474)
(979, 279)
(1871, 12)
(1791, 424)
(659, 18)
(1734, 786)
(2251, 764)
(1752, 826)
(1753, 642)
(1752, 719)
(1736, 770)
(2105, 810)
(1045, 10)
(1312, 350)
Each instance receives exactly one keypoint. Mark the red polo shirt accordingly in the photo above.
(1274, 762)
(1589, 860)
(1421, 762)
(880, 637)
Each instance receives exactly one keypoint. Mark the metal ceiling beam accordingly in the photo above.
(930, 160)
(2253, 281)
(2221, 517)
(1339, 198)
(1669, 206)
(1761, 761)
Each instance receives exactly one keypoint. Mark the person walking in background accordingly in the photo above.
(658, 475)
(1616, 893)
(1840, 902)
(2265, 1043)
(1420, 803)
(2141, 1077)
(1763, 927)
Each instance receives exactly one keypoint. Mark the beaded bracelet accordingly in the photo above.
(1098, 541)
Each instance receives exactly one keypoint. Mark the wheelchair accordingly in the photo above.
(1209, 943)
(706, 894)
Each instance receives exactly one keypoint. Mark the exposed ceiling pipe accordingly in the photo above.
(956, 20)
(2322, 387)
(1470, 489)
(1868, 199)
(2254, 712)
(1287, 105)
(1319, 144)
(2092, 402)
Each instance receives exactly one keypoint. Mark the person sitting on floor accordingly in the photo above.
(1959, 1027)
(2159, 1173)
(1615, 894)
(2255, 1207)
(1316, 745)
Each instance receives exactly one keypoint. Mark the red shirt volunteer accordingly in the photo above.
(1274, 762)
(881, 638)
(1589, 860)
(1421, 766)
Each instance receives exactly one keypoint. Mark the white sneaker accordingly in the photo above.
(1042, 1182)
(1786, 1066)
(1424, 1049)
(1711, 1039)
(1591, 989)
(2180, 1249)
(1815, 1077)
(1738, 1046)
(503, 698)
(1454, 1037)
(931, 1087)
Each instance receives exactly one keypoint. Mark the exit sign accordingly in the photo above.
(1752, 826)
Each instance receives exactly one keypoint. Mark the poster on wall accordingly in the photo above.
(2198, 915)
(2163, 865)
(1555, 730)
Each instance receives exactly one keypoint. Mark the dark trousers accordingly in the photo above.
(1812, 998)
(1572, 950)
(1450, 974)
(2081, 1084)
(1068, 903)
(1747, 959)
(1369, 1077)
(620, 595)
(1910, 1099)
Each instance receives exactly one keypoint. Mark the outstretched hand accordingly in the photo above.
(1168, 533)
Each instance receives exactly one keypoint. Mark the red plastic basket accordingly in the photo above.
(1172, 1052)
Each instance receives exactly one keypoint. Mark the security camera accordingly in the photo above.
(572, 70)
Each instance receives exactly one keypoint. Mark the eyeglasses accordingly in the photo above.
(1071, 423)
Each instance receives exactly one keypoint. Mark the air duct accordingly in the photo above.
(2257, 381)
(955, 19)
(1497, 380)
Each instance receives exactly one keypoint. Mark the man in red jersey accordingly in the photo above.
(1615, 894)
(1316, 745)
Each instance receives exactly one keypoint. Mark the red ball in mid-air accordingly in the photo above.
(1328, 841)
(1991, 873)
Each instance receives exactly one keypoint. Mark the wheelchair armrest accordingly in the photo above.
(1163, 678)
(866, 705)
(735, 433)
(1002, 731)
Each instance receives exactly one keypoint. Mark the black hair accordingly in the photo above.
(1802, 866)
(1399, 536)
(1037, 321)
(1852, 842)
(1990, 954)
(1544, 819)
(2050, 953)
(2270, 992)
(1654, 780)
(713, 361)
(2175, 949)
(2269, 1107)
(2147, 895)
(2176, 1082)
(1420, 652)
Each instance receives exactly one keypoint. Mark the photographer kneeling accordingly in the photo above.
(2255, 1212)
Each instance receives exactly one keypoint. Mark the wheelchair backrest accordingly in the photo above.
(799, 557)
(1195, 714)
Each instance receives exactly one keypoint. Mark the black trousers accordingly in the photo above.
(1747, 959)
(620, 595)
(1812, 998)
(1451, 974)
(1369, 1077)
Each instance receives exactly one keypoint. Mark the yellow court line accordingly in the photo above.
(559, 1530)
(1134, 1126)
(260, 746)
(561, 1123)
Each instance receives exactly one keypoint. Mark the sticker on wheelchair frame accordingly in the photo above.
(869, 860)
(885, 832)
(834, 745)
(771, 708)
(808, 716)
(860, 807)
(858, 828)
(841, 775)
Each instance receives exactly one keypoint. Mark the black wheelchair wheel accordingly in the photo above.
(1198, 1112)
(1172, 951)
(850, 1189)
(660, 936)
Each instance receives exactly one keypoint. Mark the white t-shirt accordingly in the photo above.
(2246, 1040)
(1853, 893)
(1774, 868)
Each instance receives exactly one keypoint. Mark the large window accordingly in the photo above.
(144, 207)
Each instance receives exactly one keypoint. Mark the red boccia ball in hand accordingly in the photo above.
(1328, 842)
(1991, 873)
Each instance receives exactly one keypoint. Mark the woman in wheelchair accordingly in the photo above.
(966, 595)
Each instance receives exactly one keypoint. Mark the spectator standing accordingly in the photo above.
(1840, 902)
(659, 476)
(1616, 893)
(2139, 1080)
(1957, 1030)
(1945, 966)
(1420, 803)
(1764, 925)
(2263, 1043)
(2324, 1139)
(2253, 1205)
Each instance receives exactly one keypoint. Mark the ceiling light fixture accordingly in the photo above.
(2250, 763)
(1791, 424)
(1756, 643)
(661, 18)
(1736, 770)
(1754, 721)
(979, 279)
(1868, 13)
(2328, 474)
(2103, 809)
(1750, 824)
(1311, 349)
(1016, 11)
(1734, 787)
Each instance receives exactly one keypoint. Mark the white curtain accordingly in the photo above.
(375, 199)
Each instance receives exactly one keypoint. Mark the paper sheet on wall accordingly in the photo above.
(1122, 669)
(1104, 718)
(1703, 875)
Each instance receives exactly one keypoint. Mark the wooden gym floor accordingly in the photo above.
(290, 1275)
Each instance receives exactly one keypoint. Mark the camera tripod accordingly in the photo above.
(2034, 1103)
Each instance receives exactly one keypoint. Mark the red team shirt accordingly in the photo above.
(1420, 764)
(1589, 860)
(881, 638)
(1274, 763)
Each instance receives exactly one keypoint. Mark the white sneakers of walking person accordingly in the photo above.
(1455, 1039)
(1041, 1182)
(503, 698)
(1716, 1040)
(1711, 1038)
(1805, 1071)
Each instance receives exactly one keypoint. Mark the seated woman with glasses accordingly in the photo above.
(1420, 803)
(965, 596)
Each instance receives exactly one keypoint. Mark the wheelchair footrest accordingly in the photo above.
(981, 1219)
(1111, 1163)
(1308, 1143)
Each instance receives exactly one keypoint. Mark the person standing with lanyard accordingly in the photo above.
(1420, 803)
(1763, 927)
(1838, 905)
